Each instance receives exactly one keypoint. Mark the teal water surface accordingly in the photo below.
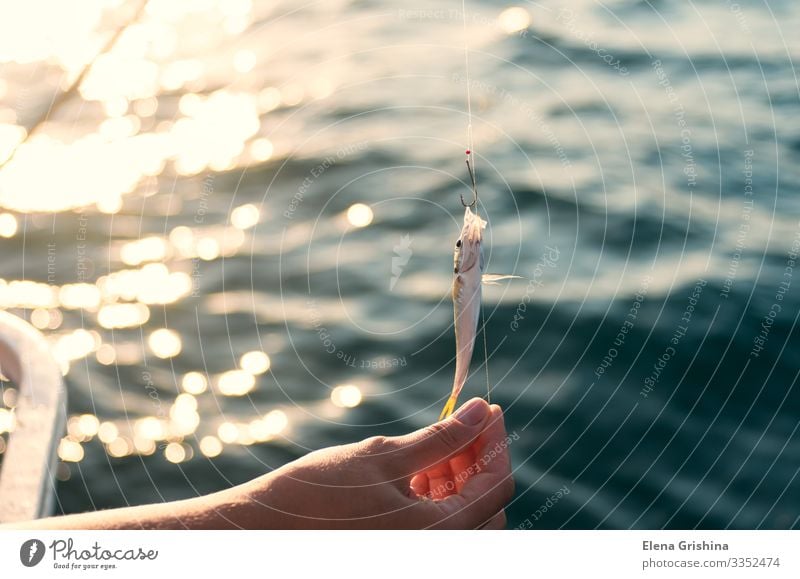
(637, 164)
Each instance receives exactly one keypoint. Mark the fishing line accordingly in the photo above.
(470, 146)
(473, 178)
(486, 359)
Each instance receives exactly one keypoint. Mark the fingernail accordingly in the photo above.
(472, 413)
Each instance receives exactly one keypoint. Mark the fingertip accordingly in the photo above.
(481, 499)
(473, 412)
(496, 417)
(420, 484)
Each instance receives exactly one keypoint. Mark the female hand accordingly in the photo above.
(453, 474)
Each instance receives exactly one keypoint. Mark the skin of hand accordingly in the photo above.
(455, 474)
(442, 476)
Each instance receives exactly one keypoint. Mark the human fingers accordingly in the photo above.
(486, 493)
(429, 447)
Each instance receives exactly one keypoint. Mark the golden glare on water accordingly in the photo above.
(194, 383)
(292, 94)
(114, 106)
(75, 345)
(110, 204)
(40, 318)
(182, 238)
(70, 450)
(148, 57)
(231, 117)
(10, 397)
(146, 107)
(269, 99)
(77, 296)
(210, 446)
(346, 396)
(151, 120)
(142, 438)
(186, 402)
(321, 88)
(6, 420)
(275, 421)
(228, 432)
(244, 438)
(74, 429)
(244, 61)
(79, 173)
(266, 428)
(150, 428)
(116, 78)
(184, 418)
(120, 127)
(258, 431)
(208, 249)
(144, 446)
(88, 425)
(261, 149)
(119, 447)
(255, 362)
(359, 215)
(117, 316)
(165, 343)
(8, 225)
(27, 294)
(128, 353)
(179, 73)
(141, 250)
(10, 136)
(189, 103)
(514, 19)
(103, 167)
(235, 383)
(106, 354)
(152, 284)
(107, 432)
(245, 216)
(64, 35)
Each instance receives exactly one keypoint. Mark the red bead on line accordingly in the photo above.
(468, 151)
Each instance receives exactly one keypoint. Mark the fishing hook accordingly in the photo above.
(474, 186)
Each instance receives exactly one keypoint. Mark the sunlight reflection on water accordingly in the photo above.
(236, 233)
(144, 109)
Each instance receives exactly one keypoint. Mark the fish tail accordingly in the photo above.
(448, 408)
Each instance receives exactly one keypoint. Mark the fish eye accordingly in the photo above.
(458, 243)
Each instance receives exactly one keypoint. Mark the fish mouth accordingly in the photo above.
(473, 226)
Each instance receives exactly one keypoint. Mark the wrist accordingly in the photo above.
(251, 505)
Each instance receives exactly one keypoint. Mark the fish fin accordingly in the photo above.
(493, 278)
(448, 408)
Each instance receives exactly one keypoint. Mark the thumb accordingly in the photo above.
(436, 443)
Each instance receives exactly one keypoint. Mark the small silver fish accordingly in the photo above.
(467, 278)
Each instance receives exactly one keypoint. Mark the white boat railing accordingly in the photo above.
(27, 478)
